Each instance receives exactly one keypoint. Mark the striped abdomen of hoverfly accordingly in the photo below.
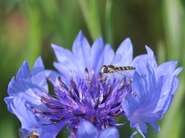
(112, 68)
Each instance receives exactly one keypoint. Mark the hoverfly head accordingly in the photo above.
(104, 69)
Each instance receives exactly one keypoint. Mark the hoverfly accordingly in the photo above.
(112, 68)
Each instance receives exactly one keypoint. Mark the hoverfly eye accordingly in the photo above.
(104, 69)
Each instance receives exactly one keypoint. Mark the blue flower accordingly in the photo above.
(153, 90)
(81, 91)
(23, 92)
(86, 101)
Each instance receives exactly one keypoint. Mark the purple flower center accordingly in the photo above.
(94, 97)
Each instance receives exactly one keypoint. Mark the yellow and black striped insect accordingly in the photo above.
(112, 68)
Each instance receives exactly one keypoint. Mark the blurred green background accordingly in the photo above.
(28, 27)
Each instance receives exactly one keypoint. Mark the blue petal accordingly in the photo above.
(64, 71)
(124, 54)
(65, 57)
(109, 133)
(38, 66)
(27, 91)
(40, 79)
(62, 54)
(166, 68)
(108, 55)
(151, 56)
(87, 130)
(81, 51)
(24, 70)
(37, 76)
(170, 85)
(97, 54)
(17, 107)
(140, 61)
